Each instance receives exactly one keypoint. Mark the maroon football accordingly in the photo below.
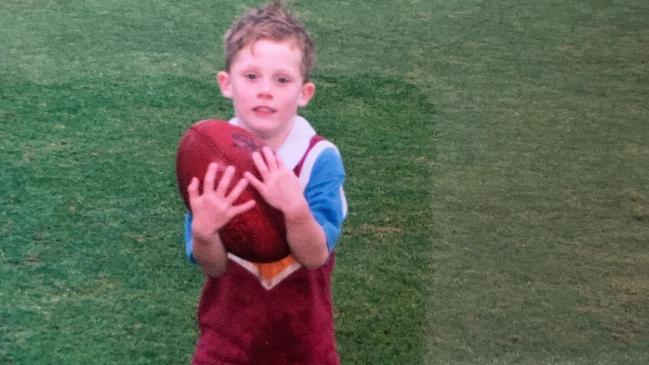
(257, 235)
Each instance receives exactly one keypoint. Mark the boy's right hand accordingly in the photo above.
(214, 208)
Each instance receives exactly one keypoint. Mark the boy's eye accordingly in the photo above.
(283, 80)
(251, 76)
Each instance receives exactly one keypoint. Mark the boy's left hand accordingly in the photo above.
(279, 186)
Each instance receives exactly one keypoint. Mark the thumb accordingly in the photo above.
(252, 179)
(192, 189)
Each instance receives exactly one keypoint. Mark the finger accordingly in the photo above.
(236, 191)
(260, 164)
(238, 209)
(270, 158)
(225, 181)
(210, 176)
(252, 179)
(192, 189)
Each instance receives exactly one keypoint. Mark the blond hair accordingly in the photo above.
(273, 22)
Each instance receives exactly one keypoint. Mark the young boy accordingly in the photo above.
(281, 312)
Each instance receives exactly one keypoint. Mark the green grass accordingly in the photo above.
(540, 184)
(497, 177)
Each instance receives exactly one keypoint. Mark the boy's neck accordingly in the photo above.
(277, 141)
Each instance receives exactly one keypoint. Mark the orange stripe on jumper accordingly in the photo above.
(269, 270)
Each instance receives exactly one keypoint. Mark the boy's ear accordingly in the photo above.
(308, 90)
(223, 78)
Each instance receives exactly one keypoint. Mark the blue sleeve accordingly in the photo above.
(188, 237)
(325, 196)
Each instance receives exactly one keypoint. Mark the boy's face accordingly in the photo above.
(266, 87)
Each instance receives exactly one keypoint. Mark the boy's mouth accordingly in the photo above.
(263, 110)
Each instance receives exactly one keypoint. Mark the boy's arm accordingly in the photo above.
(212, 259)
(212, 210)
(305, 237)
(314, 226)
(209, 254)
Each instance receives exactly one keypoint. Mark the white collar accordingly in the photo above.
(295, 144)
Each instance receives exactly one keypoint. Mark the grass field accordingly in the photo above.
(497, 177)
(540, 183)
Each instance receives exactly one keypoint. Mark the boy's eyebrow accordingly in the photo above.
(252, 67)
(249, 67)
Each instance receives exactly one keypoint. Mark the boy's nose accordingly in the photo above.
(265, 90)
(264, 95)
